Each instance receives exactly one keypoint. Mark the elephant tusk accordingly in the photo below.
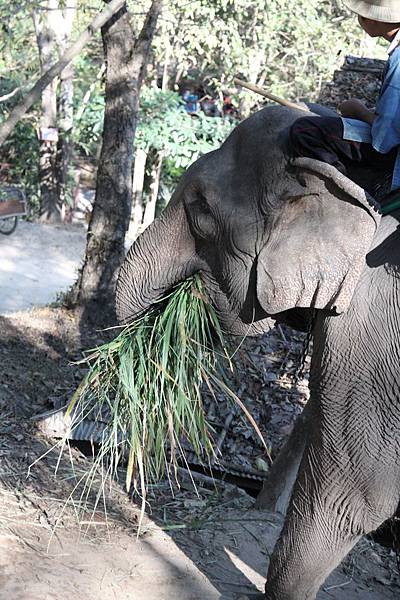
(258, 90)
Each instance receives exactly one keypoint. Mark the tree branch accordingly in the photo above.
(10, 95)
(34, 94)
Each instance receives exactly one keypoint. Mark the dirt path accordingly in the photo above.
(217, 561)
(193, 547)
(97, 567)
(37, 262)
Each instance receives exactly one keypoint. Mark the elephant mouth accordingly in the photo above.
(247, 320)
(251, 311)
(143, 281)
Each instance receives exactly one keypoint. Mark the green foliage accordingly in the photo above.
(19, 69)
(88, 125)
(19, 66)
(164, 125)
(19, 154)
(87, 131)
(290, 48)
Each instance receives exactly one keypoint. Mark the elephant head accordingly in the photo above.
(267, 233)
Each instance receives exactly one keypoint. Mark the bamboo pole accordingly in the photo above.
(258, 90)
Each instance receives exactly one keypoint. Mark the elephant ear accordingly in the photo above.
(316, 251)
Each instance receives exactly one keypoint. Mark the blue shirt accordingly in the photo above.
(384, 134)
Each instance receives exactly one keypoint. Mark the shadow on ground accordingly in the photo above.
(193, 547)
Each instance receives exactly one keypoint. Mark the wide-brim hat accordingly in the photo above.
(387, 11)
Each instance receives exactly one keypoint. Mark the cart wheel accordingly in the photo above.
(8, 225)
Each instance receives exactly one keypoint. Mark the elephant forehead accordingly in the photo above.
(224, 184)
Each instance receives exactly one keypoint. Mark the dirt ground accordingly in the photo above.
(208, 545)
(37, 263)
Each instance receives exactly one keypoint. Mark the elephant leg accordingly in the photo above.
(298, 569)
(326, 517)
(278, 487)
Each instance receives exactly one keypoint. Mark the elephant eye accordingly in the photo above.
(291, 198)
(201, 218)
(201, 204)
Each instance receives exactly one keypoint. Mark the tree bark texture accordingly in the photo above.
(126, 61)
(165, 75)
(45, 25)
(34, 93)
(65, 103)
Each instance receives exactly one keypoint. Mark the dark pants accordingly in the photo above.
(322, 138)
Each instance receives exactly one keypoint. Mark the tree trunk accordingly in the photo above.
(64, 150)
(150, 210)
(165, 75)
(125, 62)
(137, 192)
(45, 35)
(65, 103)
(34, 93)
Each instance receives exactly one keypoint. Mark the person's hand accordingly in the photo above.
(351, 108)
(355, 109)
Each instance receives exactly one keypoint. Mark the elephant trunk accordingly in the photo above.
(161, 257)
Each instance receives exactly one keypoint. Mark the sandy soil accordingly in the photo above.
(192, 546)
(37, 263)
(220, 560)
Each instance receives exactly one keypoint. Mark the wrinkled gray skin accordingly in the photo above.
(270, 239)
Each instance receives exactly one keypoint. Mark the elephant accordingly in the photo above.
(279, 238)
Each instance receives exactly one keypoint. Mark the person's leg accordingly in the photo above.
(322, 138)
(384, 165)
(377, 160)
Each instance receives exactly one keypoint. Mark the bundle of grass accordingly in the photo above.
(146, 385)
